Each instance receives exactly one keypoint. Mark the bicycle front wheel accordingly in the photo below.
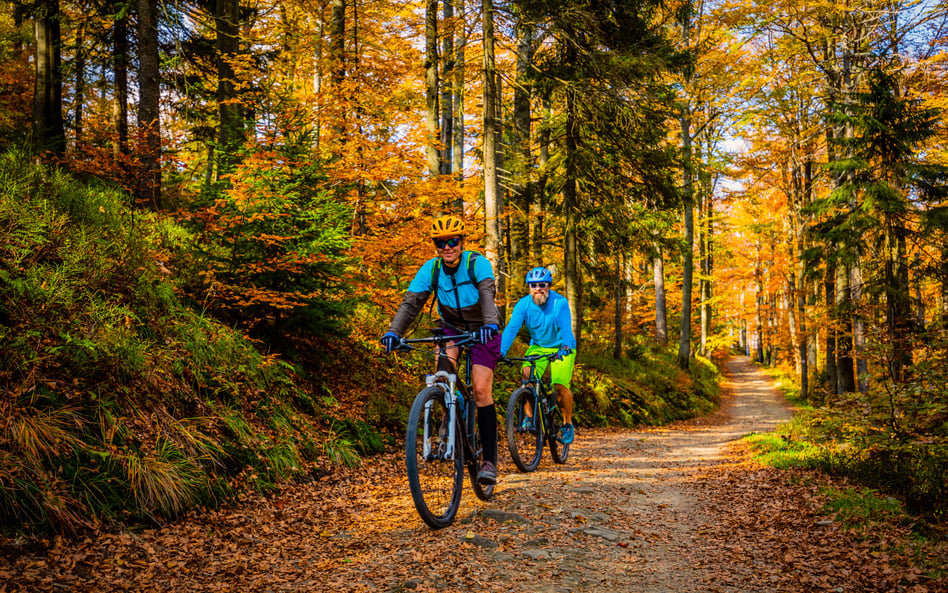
(435, 475)
(524, 431)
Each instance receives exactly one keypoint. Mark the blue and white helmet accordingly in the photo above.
(539, 274)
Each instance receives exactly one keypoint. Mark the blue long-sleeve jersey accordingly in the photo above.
(550, 326)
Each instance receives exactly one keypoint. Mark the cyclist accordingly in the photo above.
(463, 283)
(546, 315)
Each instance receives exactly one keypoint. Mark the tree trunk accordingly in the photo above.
(337, 43)
(149, 91)
(49, 133)
(458, 147)
(538, 206)
(572, 273)
(832, 369)
(658, 275)
(499, 166)
(522, 167)
(447, 92)
(618, 296)
(898, 301)
(846, 378)
(493, 206)
(684, 342)
(432, 153)
(80, 98)
(120, 76)
(759, 304)
(230, 135)
(861, 365)
(706, 264)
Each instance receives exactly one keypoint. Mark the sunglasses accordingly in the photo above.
(445, 243)
(539, 285)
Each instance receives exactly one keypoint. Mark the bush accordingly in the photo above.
(271, 247)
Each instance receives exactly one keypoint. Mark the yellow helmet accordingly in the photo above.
(447, 226)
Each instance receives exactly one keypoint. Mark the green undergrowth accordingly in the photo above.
(901, 457)
(119, 403)
(124, 401)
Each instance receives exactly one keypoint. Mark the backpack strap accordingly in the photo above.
(436, 272)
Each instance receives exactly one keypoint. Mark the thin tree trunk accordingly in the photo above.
(502, 173)
(458, 148)
(618, 296)
(846, 379)
(571, 260)
(120, 76)
(431, 86)
(759, 304)
(523, 190)
(447, 92)
(80, 78)
(539, 201)
(705, 255)
(684, 343)
(227, 20)
(898, 307)
(658, 276)
(149, 187)
(832, 369)
(861, 365)
(492, 200)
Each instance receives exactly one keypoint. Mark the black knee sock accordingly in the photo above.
(487, 424)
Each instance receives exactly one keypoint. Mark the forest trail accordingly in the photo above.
(674, 509)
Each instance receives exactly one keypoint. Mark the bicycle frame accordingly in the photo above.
(448, 382)
(536, 398)
(543, 389)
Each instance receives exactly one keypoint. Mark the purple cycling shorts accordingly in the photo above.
(485, 355)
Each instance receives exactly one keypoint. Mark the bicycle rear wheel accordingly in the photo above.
(435, 477)
(524, 433)
(558, 450)
(483, 491)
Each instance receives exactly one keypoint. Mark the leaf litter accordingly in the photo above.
(682, 508)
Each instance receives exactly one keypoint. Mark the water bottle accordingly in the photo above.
(460, 403)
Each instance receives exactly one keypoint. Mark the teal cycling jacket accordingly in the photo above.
(461, 303)
(550, 326)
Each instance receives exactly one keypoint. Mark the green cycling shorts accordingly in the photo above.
(561, 371)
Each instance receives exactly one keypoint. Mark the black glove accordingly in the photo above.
(486, 333)
(391, 341)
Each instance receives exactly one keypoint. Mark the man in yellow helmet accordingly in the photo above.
(463, 283)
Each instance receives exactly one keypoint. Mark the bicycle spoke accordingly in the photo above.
(435, 472)
(524, 430)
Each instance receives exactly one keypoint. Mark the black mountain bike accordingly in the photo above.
(532, 414)
(442, 436)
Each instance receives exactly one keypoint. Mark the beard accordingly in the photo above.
(540, 298)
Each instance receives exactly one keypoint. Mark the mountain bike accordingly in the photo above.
(532, 414)
(443, 435)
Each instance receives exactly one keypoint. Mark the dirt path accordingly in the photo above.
(645, 511)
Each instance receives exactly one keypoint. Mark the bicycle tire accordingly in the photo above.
(525, 445)
(482, 491)
(558, 450)
(435, 481)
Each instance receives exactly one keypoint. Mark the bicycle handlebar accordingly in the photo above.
(531, 359)
(460, 340)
